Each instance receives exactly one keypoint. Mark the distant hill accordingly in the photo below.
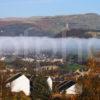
(80, 33)
(51, 26)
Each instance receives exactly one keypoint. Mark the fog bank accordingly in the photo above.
(41, 44)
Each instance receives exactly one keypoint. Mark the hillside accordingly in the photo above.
(50, 26)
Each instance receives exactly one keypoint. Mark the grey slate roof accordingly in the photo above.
(13, 77)
(65, 85)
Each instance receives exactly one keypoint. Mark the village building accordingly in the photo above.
(19, 83)
(22, 83)
(2, 58)
(53, 67)
(49, 68)
(50, 83)
(28, 59)
(70, 87)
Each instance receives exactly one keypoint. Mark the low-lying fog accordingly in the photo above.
(42, 44)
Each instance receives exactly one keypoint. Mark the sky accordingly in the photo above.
(28, 8)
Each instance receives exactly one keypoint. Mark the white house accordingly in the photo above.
(2, 58)
(50, 83)
(18, 83)
(74, 89)
(28, 59)
(70, 87)
(83, 73)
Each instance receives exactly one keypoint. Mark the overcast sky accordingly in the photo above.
(28, 8)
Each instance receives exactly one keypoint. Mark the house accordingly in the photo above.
(54, 67)
(83, 73)
(70, 87)
(19, 83)
(2, 58)
(28, 59)
(50, 83)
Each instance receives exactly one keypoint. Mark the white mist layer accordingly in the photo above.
(42, 44)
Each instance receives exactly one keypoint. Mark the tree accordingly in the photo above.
(40, 89)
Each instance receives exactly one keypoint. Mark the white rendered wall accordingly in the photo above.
(75, 89)
(21, 84)
(50, 83)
